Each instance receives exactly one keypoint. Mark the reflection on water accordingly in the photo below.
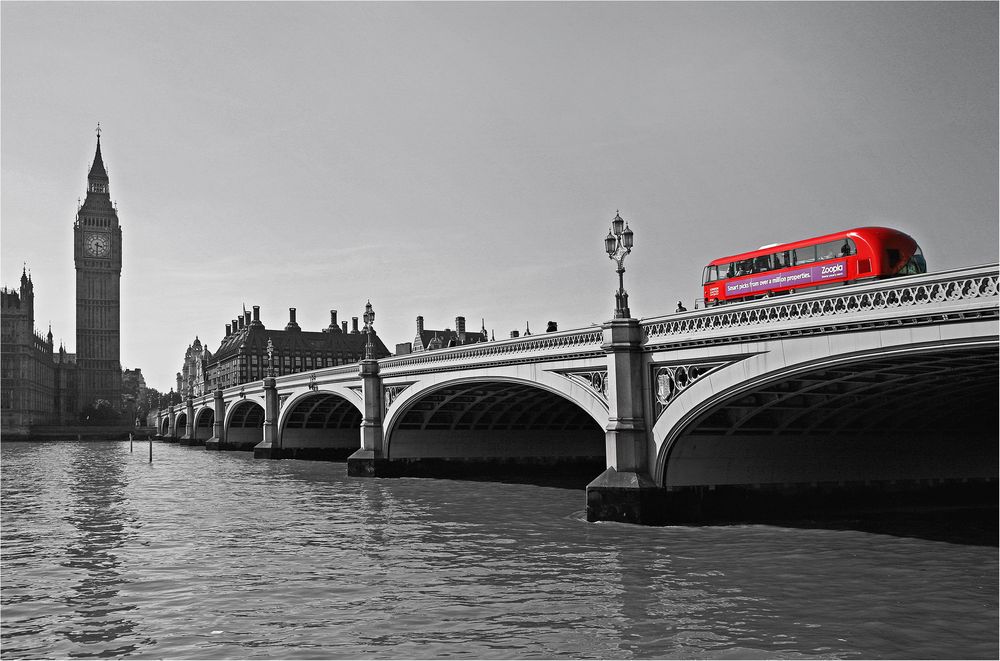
(98, 512)
(216, 555)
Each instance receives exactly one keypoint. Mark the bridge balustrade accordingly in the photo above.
(908, 297)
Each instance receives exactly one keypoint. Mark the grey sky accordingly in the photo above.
(448, 159)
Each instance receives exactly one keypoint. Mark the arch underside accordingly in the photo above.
(321, 426)
(204, 425)
(246, 426)
(906, 418)
(496, 422)
(180, 424)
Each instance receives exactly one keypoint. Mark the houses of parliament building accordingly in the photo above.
(42, 385)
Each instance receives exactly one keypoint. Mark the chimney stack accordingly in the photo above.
(246, 318)
(333, 319)
(229, 330)
(256, 314)
(292, 325)
(354, 325)
(460, 329)
(420, 325)
(514, 333)
(343, 327)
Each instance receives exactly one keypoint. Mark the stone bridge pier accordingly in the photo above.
(625, 491)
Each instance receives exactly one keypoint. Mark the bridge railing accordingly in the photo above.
(557, 344)
(907, 294)
(348, 372)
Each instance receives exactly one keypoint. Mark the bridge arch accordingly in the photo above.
(876, 415)
(180, 424)
(164, 426)
(320, 424)
(204, 421)
(497, 420)
(244, 425)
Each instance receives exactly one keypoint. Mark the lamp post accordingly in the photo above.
(618, 244)
(369, 319)
(270, 358)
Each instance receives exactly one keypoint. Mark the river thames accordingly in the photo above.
(213, 555)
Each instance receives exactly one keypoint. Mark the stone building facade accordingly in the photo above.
(28, 379)
(41, 386)
(242, 355)
(192, 380)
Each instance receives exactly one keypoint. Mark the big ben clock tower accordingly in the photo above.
(97, 252)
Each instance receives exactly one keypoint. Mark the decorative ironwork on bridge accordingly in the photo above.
(671, 380)
(595, 381)
(550, 344)
(392, 392)
(893, 294)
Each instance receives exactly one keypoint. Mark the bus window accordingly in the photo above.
(711, 274)
(832, 249)
(804, 255)
(762, 263)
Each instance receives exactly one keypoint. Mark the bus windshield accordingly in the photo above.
(711, 274)
(916, 264)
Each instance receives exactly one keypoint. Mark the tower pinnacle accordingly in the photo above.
(98, 177)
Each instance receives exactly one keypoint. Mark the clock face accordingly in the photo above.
(97, 245)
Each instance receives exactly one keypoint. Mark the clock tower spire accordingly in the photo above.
(97, 252)
(97, 180)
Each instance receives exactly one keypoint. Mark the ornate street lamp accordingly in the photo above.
(369, 319)
(618, 244)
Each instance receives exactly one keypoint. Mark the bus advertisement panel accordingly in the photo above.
(801, 276)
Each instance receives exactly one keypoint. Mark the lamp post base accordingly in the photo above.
(621, 305)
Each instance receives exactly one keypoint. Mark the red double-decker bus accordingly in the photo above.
(859, 254)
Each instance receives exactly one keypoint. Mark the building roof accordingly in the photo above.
(97, 170)
(253, 340)
(449, 337)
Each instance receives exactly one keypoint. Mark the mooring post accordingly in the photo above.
(150, 449)
(130, 441)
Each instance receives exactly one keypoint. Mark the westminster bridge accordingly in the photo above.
(861, 392)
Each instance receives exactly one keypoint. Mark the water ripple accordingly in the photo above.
(216, 555)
